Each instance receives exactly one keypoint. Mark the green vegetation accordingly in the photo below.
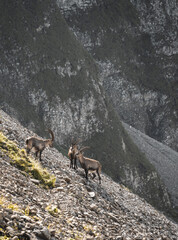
(5, 203)
(53, 210)
(26, 163)
(3, 237)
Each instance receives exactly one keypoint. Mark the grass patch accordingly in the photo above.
(26, 163)
(9, 205)
(53, 210)
(4, 237)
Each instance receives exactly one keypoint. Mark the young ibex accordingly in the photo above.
(72, 154)
(89, 164)
(38, 144)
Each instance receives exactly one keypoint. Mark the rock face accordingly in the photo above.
(48, 80)
(135, 44)
(55, 80)
(72, 209)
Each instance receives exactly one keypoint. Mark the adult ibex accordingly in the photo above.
(72, 154)
(38, 144)
(89, 164)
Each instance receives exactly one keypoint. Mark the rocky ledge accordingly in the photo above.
(73, 209)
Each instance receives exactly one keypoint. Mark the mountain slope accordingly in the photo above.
(163, 158)
(72, 209)
(135, 44)
(48, 80)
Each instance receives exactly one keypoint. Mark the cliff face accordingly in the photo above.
(135, 45)
(46, 75)
(48, 80)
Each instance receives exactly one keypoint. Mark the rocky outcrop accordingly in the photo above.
(72, 209)
(135, 45)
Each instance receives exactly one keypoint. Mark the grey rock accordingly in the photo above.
(35, 181)
(52, 232)
(93, 207)
(92, 194)
(26, 218)
(68, 180)
(15, 216)
(10, 231)
(60, 189)
(43, 234)
(15, 238)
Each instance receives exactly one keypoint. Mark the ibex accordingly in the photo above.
(72, 154)
(38, 144)
(89, 164)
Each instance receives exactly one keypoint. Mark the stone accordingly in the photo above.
(68, 180)
(93, 207)
(9, 211)
(35, 181)
(52, 232)
(92, 194)
(25, 235)
(15, 238)
(10, 231)
(60, 189)
(26, 218)
(44, 234)
(15, 216)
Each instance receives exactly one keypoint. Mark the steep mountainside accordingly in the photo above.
(70, 209)
(48, 80)
(135, 45)
(163, 158)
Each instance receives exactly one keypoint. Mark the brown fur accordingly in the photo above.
(38, 144)
(89, 164)
(72, 155)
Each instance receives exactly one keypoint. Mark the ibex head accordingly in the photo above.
(81, 150)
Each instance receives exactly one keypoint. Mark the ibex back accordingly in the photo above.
(38, 144)
(89, 164)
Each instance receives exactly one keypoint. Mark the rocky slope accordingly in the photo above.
(163, 158)
(135, 44)
(48, 80)
(72, 209)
